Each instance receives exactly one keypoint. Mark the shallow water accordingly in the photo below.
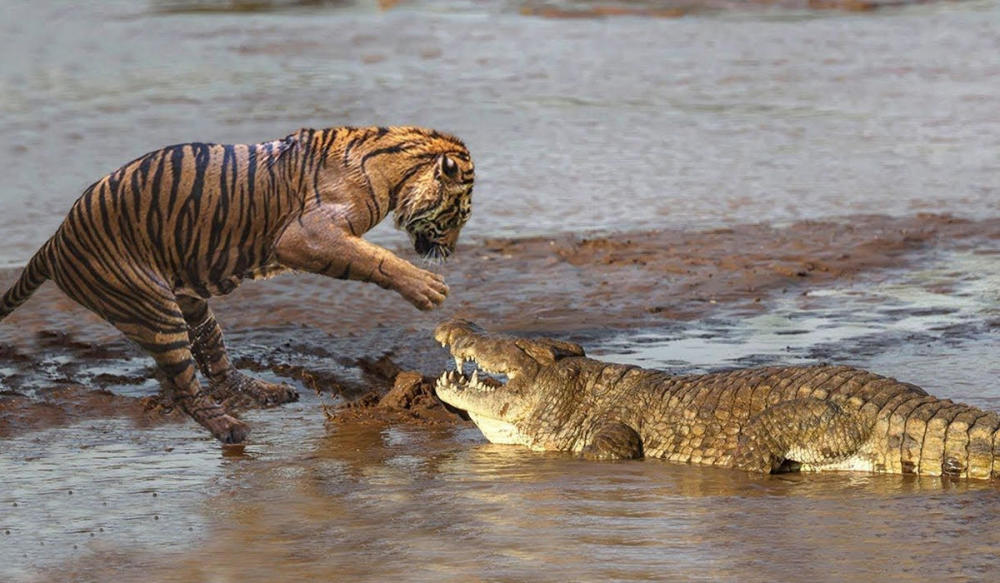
(715, 118)
(372, 504)
(586, 123)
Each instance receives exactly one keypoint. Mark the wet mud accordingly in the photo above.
(410, 400)
(71, 404)
(370, 357)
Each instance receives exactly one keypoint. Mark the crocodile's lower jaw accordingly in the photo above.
(452, 384)
(497, 431)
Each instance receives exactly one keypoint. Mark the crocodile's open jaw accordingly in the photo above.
(495, 407)
(476, 394)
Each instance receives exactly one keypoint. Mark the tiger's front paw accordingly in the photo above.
(425, 290)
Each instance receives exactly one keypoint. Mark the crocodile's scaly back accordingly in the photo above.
(761, 419)
(821, 417)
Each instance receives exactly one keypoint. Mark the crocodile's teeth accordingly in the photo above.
(474, 379)
(459, 362)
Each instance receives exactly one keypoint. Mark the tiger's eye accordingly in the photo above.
(449, 167)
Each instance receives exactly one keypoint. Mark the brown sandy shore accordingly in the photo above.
(354, 340)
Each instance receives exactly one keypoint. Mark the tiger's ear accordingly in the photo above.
(447, 167)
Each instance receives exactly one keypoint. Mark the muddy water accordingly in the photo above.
(720, 117)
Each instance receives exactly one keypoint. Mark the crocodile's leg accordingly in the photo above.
(228, 384)
(614, 441)
(804, 431)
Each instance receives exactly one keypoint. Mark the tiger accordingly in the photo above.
(147, 245)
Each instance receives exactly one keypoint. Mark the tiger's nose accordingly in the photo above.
(449, 239)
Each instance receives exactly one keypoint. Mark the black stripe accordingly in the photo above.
(177, 156)
(330, 139)
(394, 149)
(349, 148)
(394, 191)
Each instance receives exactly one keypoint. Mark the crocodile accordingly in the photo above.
(764, 419)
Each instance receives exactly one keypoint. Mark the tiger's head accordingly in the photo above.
(434, 204)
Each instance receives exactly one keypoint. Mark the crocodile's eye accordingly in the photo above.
(448, 167)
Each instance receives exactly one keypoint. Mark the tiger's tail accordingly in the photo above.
(34, 275)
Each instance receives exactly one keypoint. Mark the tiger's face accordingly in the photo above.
(435, 205)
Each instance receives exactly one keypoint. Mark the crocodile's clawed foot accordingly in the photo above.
(614, 441)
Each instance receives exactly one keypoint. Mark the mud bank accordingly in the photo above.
(350, 342)
(639, 279)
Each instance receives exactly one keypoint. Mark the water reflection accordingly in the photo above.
(370, 504)
(367, 502)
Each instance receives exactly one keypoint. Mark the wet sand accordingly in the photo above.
(350, 341)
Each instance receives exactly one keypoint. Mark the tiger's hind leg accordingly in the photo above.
(146, 311)
(228, 384)
(169, 346)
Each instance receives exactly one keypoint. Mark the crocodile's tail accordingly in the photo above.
(34, 275)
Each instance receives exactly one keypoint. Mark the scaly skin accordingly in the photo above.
(769, 419)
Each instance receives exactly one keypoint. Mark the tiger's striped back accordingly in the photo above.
(202, 217)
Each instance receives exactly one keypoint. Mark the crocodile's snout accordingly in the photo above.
(448, 332)
(493, 389)
(504, 385)
(499, 353)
